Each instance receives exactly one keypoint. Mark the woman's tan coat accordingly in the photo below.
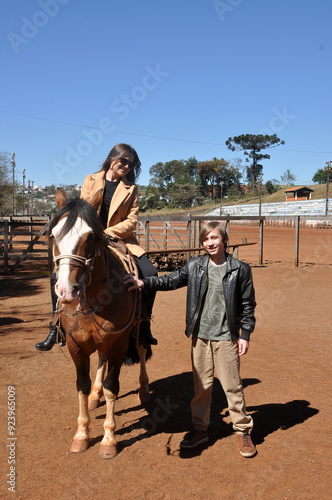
(123, 212)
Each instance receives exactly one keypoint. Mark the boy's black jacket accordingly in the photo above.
(238, 290)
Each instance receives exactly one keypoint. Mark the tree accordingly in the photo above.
(6, 186)
(150, 200)
(212, 172)
(175, 172)
(271, 187)
(210, 175)
(320, 176)
(288, 178)
(185, 196)
(252, 145)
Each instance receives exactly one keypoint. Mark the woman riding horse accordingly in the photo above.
(119, 215)
(96, 312)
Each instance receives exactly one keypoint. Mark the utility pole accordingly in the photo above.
(260, 180)
(32, 208)
(29, 198)
(23, 194)
(14, 194)
(327, 166)
(221, 195)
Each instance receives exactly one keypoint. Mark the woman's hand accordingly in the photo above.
(136, 283)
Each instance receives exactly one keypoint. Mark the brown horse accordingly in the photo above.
(96, 311)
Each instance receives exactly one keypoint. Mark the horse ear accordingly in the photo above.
(60, 198)
(97, 199)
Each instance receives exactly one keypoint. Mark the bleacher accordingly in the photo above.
(307, 207)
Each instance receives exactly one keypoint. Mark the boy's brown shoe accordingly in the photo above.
(193, 439)
(247, 447)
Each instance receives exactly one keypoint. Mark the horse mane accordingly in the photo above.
(77, 207)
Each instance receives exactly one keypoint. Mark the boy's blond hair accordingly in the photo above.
(208, 227)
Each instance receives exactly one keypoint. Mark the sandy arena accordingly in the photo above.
(286, 376)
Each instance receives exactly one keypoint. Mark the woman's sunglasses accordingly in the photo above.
(126, 162)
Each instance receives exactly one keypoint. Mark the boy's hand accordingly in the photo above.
(243, 347)
(136, 283)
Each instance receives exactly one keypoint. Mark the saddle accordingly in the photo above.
(120, 249)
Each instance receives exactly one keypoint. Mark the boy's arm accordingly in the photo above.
(172, 281)
(248, 304)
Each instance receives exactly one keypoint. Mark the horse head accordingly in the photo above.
(76, 232)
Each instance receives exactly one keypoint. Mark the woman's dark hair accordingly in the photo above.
(117, 152)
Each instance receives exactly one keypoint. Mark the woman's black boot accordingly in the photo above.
(145, 334)
(49, 341)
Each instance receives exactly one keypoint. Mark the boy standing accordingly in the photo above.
(220, 303)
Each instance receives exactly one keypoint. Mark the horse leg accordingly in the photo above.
(108, 448)
(143, 392)
(97, 388)
(83, 383)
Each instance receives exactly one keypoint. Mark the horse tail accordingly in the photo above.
(132, 356)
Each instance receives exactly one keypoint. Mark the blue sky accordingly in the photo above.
(172, 78)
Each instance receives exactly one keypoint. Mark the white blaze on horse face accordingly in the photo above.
(67, 246)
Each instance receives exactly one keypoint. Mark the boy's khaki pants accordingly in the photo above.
(222, 357)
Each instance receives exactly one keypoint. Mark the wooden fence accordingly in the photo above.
(24, 243)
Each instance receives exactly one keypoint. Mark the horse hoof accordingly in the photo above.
(144, 396)
(108, 451)
(93, 404)
(79, 445)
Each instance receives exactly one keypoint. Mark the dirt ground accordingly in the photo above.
(286, 376)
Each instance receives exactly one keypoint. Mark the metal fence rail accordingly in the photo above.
(23, 240)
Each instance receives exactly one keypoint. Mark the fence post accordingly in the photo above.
(10, 230)
(189, 236)
(297, 240)
(147, 235)
(5, 247)
(30, 229)
(165, 235)
(261, 225)
(198, 227)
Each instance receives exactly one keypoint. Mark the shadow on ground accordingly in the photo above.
(18, 287)
(169, 412)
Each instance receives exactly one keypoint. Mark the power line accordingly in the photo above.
(280, 149)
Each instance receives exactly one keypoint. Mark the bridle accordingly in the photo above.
(88, 263)
(82, 261)
(80, 309)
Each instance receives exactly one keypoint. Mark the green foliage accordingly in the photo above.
(185, 183)
(252, 145)
(214, 172)
(271, 187)
(164, 175)
(320, 176)
(151, 199)
(6, 187)
(288, 178)
(185, 196)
